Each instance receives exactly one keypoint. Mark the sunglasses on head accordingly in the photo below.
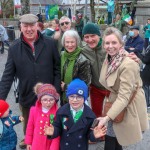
(62, 24)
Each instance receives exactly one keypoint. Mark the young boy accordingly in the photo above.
(8, 137)
(74, 120)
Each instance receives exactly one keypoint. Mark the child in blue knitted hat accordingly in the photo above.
(74, 120)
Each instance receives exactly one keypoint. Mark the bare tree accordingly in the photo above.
(26, 8)
(6, 6)
(92, 3)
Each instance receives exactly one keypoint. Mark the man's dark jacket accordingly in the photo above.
(137, 43)
(29, 68)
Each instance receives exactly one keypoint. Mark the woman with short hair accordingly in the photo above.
(73, 63)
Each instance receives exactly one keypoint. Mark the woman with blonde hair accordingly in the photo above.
(121, 76)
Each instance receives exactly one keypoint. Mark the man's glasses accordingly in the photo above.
(72, 97)
(50, 100)
(62, 24)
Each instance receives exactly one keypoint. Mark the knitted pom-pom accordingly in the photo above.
(37, 87)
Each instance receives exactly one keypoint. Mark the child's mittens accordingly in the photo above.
(49, 130)
(99, 131)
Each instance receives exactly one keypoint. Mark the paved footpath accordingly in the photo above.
(143, 145)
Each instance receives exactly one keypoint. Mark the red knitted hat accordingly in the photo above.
(47, 89)
(3, 107)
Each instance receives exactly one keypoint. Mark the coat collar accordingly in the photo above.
(39, 45)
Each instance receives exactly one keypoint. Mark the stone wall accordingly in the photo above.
(142, 12)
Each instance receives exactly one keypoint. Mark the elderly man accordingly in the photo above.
(135, 43)
(32, 59)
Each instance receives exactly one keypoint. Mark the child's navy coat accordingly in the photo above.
(74, 136)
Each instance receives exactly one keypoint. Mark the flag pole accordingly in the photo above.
(14, 11)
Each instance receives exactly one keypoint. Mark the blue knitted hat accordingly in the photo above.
(78, 87)
(91, 28)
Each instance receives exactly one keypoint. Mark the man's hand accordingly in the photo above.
(134, 57)
(49, 130)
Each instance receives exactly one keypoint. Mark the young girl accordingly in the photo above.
(8, 137)
(43, 113)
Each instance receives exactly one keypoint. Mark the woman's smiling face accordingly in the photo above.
(70, 44)
(112, 44)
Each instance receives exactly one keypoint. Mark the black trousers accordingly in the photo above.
(146, 43)
(111, 143)
(2, 47)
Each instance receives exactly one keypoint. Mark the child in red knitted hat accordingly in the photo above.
(8, 137)
(43, 113)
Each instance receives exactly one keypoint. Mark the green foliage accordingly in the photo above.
(11, 17)
(7, 8)
(60, 14)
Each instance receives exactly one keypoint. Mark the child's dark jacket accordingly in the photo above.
(8, 138)
(74, 136)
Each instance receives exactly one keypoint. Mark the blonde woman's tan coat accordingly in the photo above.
(122, 82)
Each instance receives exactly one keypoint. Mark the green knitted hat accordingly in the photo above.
(91, 28)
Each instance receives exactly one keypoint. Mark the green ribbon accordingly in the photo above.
(51, 119)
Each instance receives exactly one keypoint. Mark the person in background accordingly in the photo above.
(32, 58)
(3, 38)
(65, 24)
(40, 18)
(79, 24)
(73, 63)
(74, 120)
(40, 27)
(121, 76)
(50, 30)
(145, 72)
(8, 136)
(45, 111)
(147, 33)
(57, 24)
(135, 43)
(118, 23)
